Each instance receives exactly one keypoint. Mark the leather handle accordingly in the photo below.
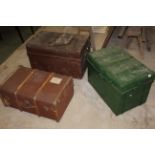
(27, 104)
(63, 39)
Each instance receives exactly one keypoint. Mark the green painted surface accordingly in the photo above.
(123, 70)
(120, 79)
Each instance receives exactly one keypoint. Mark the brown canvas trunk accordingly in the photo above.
(60, 53)
(38, 92)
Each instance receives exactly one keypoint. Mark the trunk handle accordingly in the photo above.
(63, 39)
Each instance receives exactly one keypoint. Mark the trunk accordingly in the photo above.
(60, 53)
(38, 92)
(120, 79)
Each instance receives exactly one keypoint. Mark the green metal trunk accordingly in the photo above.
(121, 80)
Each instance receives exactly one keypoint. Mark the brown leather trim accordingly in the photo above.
(40, 88)
(58, 95)
(20, 86)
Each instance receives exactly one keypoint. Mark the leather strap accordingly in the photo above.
(59, 94)
(20, 86)
(38, 91)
